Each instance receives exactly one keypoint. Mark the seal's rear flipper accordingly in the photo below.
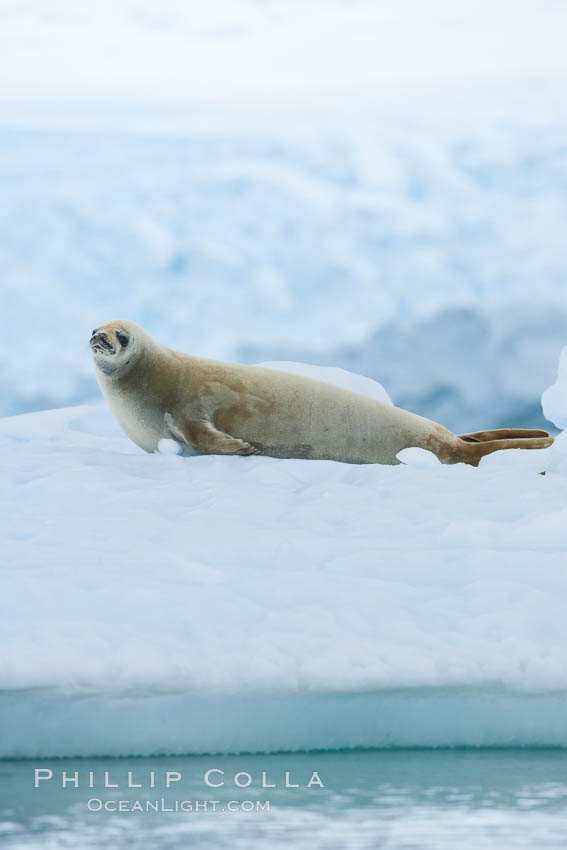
(481, 443)
(502, 434)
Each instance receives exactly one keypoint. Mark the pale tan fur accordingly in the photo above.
(208, 406)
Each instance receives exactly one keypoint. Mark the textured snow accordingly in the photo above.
(407, 255)
(160, 603)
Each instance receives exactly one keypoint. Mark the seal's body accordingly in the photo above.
(208, 406)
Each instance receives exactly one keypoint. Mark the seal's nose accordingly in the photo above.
(100, 339)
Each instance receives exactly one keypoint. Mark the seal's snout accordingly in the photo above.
(100, 342)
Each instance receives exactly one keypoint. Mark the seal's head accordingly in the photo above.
(115, 345)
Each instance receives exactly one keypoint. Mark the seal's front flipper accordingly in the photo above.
(202, 436)
(476, 445)
(210, 440)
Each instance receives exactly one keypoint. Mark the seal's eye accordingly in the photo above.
(122, 338)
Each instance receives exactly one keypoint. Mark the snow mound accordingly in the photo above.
(333, 375)
(554, 399)
(466, 368)
(167, 604)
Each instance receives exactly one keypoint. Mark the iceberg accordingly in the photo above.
(154, 604)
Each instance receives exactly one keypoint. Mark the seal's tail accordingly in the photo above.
(481, 443)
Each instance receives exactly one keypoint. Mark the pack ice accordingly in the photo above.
(166, 604)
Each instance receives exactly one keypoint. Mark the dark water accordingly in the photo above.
(392, 799)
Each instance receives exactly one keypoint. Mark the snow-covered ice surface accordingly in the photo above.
(165, 604)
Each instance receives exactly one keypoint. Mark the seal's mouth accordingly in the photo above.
(100, 343)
